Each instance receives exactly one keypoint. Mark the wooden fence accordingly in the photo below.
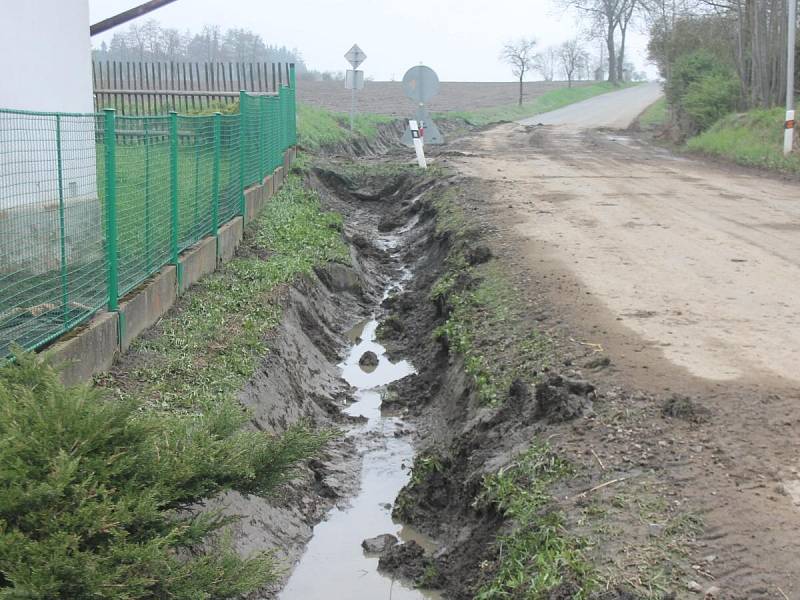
(146, 88)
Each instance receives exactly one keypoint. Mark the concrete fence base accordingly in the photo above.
(92, 349)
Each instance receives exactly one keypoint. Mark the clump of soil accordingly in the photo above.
(478, 255)
(390, 222)
(560, 399)
(683, 407)
(379, 544)
(405, 561)
(390, 328)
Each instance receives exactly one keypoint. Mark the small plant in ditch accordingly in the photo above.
(538, 555)
(485, 319)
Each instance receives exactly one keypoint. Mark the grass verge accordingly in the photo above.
(317, 127)
(752, 139)
(548, 101)
(209, 349)
(486, 321)
(538, 556)
(97, 482)
(654, 116)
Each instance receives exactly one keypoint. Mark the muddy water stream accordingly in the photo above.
(334, 565)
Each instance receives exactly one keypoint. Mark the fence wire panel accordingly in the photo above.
(273, 131)
(143, 198)
(195, 184)
(292, 124)
(52, 269)
(230, 193)
(250, 116)
(92, 205)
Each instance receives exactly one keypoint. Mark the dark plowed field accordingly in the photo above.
(386, 97)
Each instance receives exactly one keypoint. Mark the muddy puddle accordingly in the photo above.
(335, 565)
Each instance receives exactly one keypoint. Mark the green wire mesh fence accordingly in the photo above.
(91, 205)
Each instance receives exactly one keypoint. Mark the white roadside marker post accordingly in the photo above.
(416, 136)
(788, 131)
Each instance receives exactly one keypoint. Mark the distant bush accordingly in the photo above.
(710, 98)
(701, 91)
(96, 495)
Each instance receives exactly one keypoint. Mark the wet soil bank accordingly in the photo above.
(317, 373)
(428, 432)
(639, 453)
(461, 440)
(447, 532)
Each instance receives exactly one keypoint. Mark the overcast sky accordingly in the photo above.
(459, 39)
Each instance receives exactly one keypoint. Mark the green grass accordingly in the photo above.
(486, 321)
(538, 555)
(654, 116)
(753, 139)
(94, 505)
(317, 127)
(211, 347)
(548, 101)
(97, 481)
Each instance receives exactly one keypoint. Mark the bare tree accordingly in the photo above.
(546, 63)
(519, 55)
(662, 17)
(573, 58)
(606, 17)
(627, 10)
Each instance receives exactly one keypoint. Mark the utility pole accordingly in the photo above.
(788, 133)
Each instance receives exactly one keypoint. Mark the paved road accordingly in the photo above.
(616, 110)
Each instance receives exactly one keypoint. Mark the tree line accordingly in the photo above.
(715, 56)
(149, 41)
(570, 60)
(719, 56)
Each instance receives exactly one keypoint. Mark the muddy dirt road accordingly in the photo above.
(685, 275)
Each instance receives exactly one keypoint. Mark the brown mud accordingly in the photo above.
(642, 444)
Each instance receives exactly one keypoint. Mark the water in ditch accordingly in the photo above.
(334, 565)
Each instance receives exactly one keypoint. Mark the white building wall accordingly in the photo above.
(45, 55)
(45, 61)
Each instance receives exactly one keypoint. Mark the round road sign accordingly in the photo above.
(420, 83)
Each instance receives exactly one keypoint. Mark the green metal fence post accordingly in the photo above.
(62, 224)
(173, 193)
(147, 226)
(281, 121)
(262, 139)
(193, 230)
(215, 177)
(110, 142)
(242, 138)
(292, 107)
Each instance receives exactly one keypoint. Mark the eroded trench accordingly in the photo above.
(356, 349)
(328, 366)
(335, 563)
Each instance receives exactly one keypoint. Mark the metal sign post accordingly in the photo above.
(421, 84)
(354, 79)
